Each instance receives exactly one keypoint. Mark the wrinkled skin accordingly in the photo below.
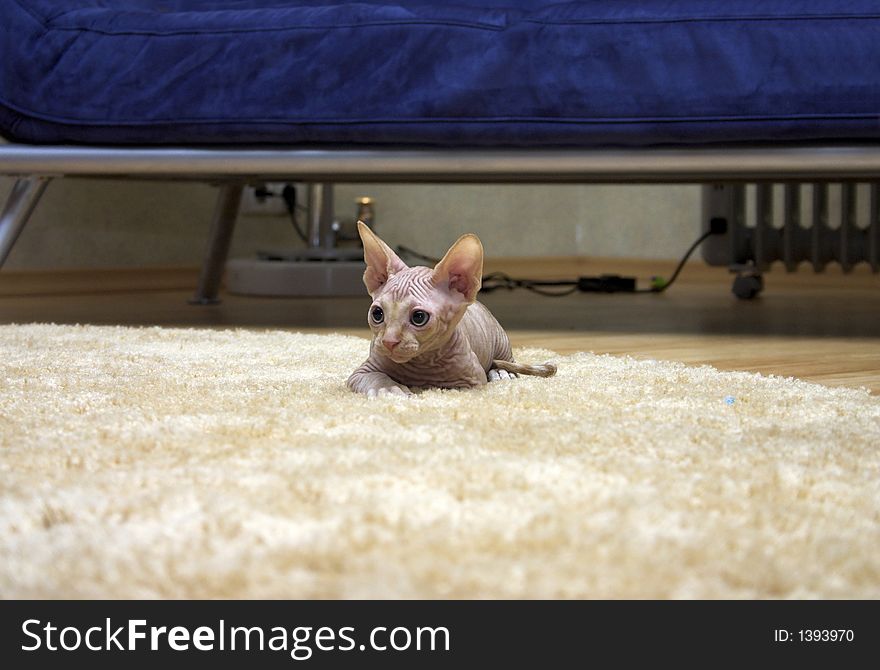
(428, 328)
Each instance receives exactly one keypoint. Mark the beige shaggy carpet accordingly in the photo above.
(196, 463)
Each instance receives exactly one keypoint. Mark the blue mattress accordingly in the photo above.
(411, 72)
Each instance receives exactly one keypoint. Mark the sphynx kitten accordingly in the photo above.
(428, 328)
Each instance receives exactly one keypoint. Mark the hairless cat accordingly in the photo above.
(428, 328)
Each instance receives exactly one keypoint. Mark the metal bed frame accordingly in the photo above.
(234, 168)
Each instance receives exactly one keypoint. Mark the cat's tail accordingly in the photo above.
(547, 369)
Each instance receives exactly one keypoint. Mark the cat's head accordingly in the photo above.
(416, 309)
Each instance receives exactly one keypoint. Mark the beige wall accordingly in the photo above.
(528, 220)
(90, 223)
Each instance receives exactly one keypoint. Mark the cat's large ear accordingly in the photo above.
(462, 267)
(381, 261)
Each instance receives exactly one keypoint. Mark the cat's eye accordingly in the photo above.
(377, 315)
(419, 317)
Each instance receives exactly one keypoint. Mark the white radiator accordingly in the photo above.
(816, 223)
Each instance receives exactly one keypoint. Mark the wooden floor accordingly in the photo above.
(824, 328)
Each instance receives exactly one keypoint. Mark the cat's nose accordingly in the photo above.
(390, 344)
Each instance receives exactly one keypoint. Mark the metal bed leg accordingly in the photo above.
(21, 203)
(222, 226)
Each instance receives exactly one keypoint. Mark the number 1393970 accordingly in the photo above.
(814, 635)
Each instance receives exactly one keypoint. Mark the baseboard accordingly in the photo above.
(185, 278)
(97, 280)
(174, 278)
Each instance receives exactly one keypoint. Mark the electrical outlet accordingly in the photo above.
(264, 200)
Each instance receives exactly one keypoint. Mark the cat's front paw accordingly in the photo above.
(496, 375)
(389, 390)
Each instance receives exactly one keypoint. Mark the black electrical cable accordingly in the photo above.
(496, 280)
(658, 287)
(289, 197)
(604, 283)
(505, 281)
(288, 194)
